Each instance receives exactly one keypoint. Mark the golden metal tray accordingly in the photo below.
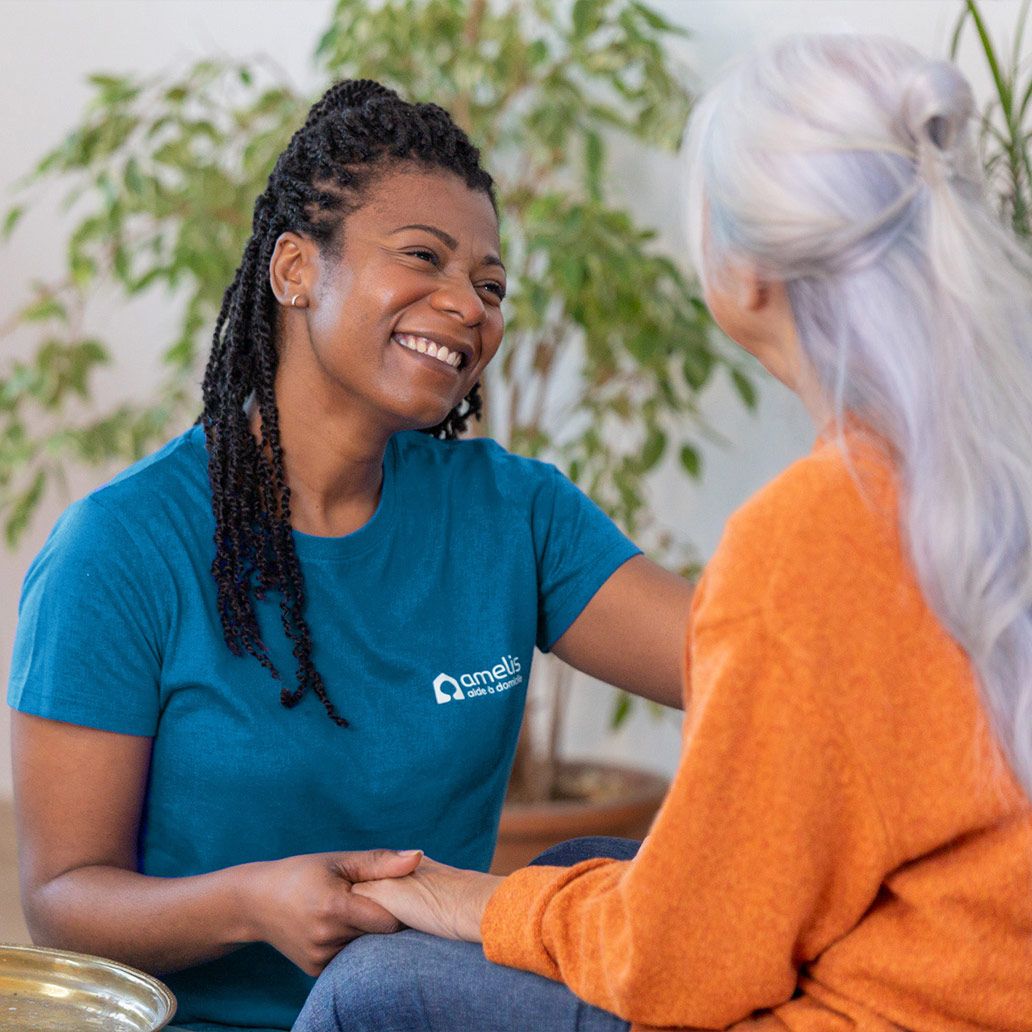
(54, 991)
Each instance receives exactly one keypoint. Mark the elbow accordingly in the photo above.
(711, 992)
(42, 919)
(50, 916)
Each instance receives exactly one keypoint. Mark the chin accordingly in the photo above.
(422, 417)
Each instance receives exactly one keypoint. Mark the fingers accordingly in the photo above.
(377, 863)
(366, 915)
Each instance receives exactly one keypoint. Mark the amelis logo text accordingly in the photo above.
(505, 674)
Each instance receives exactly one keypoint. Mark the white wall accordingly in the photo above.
(48, 46)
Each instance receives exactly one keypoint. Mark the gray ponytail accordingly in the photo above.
(844, 167)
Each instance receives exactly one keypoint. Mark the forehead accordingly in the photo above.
(413, 196)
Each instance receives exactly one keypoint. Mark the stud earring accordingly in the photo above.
(293, 301)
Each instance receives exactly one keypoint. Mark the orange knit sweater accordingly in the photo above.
(840, 848)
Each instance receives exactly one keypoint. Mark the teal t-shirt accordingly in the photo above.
(423, 625)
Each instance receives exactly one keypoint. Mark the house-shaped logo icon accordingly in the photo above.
(443, 694)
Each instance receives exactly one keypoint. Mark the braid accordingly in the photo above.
(356, 131)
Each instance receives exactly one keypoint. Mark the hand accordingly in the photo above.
(306, 908)
(435, 898)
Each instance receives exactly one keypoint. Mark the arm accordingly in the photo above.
(632, 632)
(79, 794)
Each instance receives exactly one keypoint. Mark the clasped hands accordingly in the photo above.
(310, 907)
(435, 898)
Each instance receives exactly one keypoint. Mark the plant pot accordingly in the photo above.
(612, 800)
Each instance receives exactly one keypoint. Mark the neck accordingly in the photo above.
(333, 463)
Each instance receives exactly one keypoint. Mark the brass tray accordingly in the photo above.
(55, 991)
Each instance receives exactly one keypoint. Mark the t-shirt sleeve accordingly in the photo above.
(88, 646)
(577, 547)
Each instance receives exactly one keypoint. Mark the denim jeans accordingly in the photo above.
(411, 982)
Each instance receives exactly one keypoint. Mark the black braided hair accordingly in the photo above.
(355, 133)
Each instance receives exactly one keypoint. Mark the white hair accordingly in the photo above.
(844, 167)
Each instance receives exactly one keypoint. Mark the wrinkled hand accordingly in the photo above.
(435, 898)
(306, 906)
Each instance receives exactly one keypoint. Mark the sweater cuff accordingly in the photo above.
(512, 926)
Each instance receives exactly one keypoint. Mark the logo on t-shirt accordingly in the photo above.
(504, 675)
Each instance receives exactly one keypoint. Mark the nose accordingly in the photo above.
(459, 297)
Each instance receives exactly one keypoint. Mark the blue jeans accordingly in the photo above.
(411, 982)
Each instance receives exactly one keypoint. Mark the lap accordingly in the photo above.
(412, 982)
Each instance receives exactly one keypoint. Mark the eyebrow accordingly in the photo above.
(448, 240)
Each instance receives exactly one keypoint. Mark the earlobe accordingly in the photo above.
(291, 270)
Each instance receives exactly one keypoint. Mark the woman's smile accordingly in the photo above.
(450, 358)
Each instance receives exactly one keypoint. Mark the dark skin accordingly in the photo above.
(420, 259)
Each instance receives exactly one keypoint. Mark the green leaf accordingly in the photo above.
(697, 365)
(586, 18)
(134, 182)
(621, 711)
(83, 269)
(11, 220)
(655, 445)
(654, 19)
(745, 388)
(594, 157)
(22, 508)
(44, 308)
(690, 461)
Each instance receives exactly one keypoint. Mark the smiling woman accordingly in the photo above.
(321, 541)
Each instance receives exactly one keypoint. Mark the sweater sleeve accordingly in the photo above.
(768, 847)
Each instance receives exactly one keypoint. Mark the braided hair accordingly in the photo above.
(354, 134)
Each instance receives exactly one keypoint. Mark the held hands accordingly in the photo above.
(308, 907)
(435, 898)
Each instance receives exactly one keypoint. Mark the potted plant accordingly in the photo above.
(607, 346)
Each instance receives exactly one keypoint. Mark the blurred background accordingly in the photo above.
(122, 368)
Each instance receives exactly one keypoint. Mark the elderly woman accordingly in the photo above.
(847, 844)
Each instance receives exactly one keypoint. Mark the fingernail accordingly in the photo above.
(408, 852)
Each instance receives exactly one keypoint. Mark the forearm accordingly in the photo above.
(155, 924)
(632, 633)
(651, 668)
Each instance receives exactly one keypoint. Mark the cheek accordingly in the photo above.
(725, 313)
(492, 333)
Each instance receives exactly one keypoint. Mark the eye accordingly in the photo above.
(425, 255)
(495, 288)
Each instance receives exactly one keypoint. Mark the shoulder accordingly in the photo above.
(822, 522)
(478, 461)
(131, 509)
(180, 463)
(837, 491)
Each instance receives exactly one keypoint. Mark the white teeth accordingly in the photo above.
(425, 346)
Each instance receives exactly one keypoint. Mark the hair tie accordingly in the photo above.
(937, 105)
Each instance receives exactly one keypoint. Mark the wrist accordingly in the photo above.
(481, 891)
(246, 897)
